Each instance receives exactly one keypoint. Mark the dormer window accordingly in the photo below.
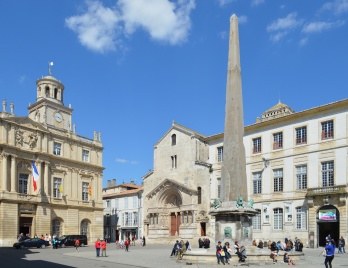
(173, 139)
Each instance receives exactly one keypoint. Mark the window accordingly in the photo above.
(173, 139)
(278, 218)
(220, 153)
(108, 203)
(218, 188)
(301, 218)
(174, 161)
(257, 183)
(134, 201)
(116, 203)
(85, 155)
(199, 190)
(301, 135)
(125, 219)
(56, 227)
(57, 188)
(84, 227)
(47, 91)
(135, 218)
(278, 140)
(278, 180)
(126, 202)
(327, 130)
(57, 148)
(23, 183)
(257, 145)
(85, 186)
(327, 172)
(301, 177)
(257, 220)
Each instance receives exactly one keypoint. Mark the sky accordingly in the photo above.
(131, 67)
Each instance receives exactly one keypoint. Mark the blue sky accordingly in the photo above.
(130, 67)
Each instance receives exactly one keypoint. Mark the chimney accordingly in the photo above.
(114, 182)
(109, 183)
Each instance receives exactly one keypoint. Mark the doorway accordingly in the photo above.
(25, 224)
(203, 229)
(174, 224)
(328, 222)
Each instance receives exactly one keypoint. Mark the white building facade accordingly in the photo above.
(122, 211)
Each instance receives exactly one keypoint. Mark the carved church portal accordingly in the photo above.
(175, 220)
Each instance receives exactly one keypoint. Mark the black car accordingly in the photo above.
(69, 240)
(31, 243)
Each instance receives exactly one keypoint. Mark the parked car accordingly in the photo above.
(31, 243)
(69, 240)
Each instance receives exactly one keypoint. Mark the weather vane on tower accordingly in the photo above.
(50, 64)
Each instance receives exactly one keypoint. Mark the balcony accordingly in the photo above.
(331, 190)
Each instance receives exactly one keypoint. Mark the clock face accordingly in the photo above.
(58, 117)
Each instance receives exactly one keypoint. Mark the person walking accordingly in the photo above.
(97, 246)
(330, 252)
(103, 248)
(126, 243)
(144, 241)
(77, 244)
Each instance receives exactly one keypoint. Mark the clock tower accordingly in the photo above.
(49, 108)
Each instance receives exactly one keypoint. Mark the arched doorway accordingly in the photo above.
(328, 222)
(85, 227)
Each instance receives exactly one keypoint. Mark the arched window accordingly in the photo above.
(199, 189)
(84, 227)
(57, 227)
(173, 139)
(55, 93)
(278, 218)
(47, 91)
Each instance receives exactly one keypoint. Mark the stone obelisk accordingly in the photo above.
(232, 213)
(233, 177)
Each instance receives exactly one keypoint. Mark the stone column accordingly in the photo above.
(176, 224)
(13, 174)
(4, 172)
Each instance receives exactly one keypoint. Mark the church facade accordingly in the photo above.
(297, 171)
(50, 177)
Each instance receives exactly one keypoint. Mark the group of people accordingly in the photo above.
(287, 245)
(180, 248)
(99, 245)
(223, 253)
(204, 243)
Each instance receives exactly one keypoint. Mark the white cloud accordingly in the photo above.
(303, 41)
(97, 28)
(257, 2)
(125, 161)
(225, 2)
(103, 29)
(282, 26)
(289, 22)
(162, 19)
(223, 34)
(242, 19)
(319, 26)
(336, 6)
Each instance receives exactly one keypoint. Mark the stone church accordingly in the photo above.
(65, 196)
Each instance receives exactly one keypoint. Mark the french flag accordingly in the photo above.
(35, 175)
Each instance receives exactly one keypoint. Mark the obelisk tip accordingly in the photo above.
(234, 17)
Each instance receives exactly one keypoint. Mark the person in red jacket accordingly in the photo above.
(126, 243)
(103, 248)
(97, 247)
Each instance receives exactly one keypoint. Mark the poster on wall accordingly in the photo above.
(327, 214)
(265, 211)
(288, 212)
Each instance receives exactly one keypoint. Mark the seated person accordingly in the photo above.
(288, 260)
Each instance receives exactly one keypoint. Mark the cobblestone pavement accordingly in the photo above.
(152, 256)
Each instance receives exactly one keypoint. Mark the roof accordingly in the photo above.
(278, 106)
(124, 193)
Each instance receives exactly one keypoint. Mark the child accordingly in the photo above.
(288, 260)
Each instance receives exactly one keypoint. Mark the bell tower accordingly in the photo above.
(49, 107)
